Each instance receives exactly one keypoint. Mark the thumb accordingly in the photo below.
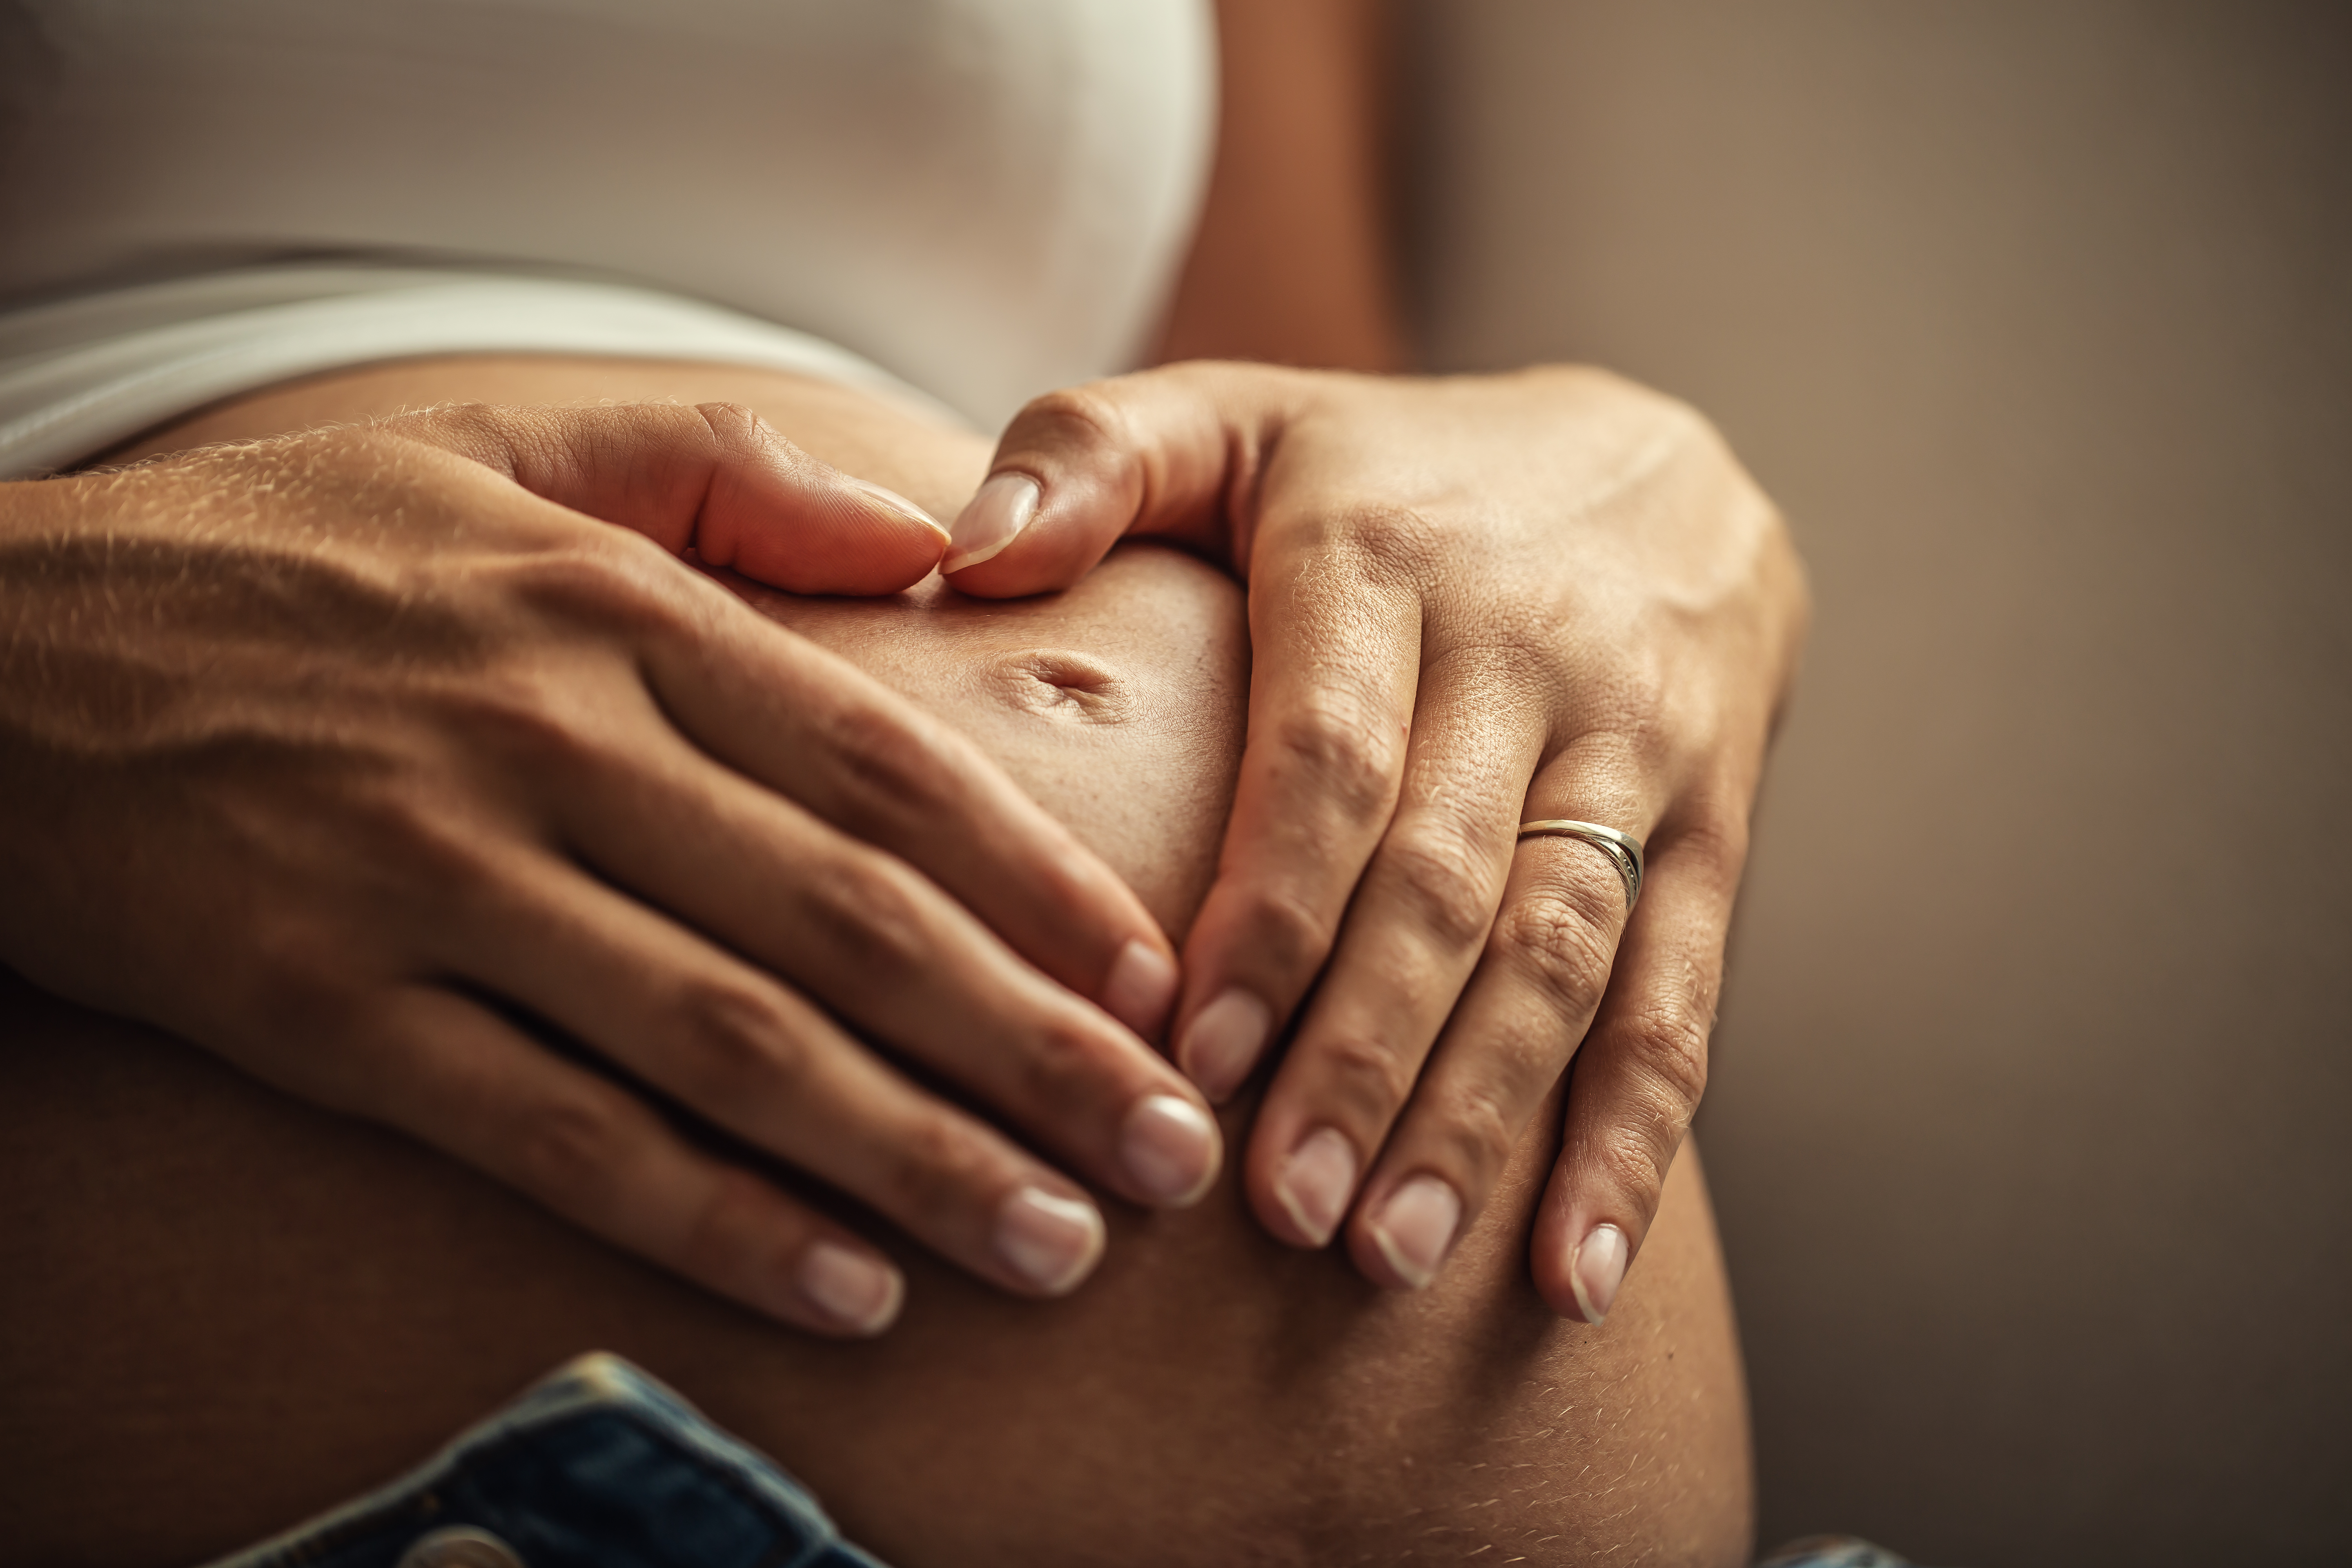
(1158, 453)
(716, 479)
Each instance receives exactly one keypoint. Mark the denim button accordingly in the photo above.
(460, 1546)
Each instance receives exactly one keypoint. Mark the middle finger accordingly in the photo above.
(1410, 940)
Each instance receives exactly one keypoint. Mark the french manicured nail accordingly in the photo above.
(858, 1291)
(1224, 1042)
(1052, 1242)
(1171, 1148)
(1141, 985)
(1598, 1271)
(1316, 1182)
(994, 520)
(893, 503)
(1415, 1227)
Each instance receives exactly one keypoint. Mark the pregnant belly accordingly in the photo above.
(233, 1309)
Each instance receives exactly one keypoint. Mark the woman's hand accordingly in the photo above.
(344, 753)
(1472, 602)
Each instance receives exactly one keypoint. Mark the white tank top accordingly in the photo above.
(983, 198)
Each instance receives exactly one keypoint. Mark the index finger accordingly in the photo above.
(1337, 652)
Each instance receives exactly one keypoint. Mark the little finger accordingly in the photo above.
(1638, 1080)
(481, 1091)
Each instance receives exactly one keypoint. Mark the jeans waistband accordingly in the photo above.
(598, 1466)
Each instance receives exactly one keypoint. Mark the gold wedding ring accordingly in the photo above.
(1624, 851)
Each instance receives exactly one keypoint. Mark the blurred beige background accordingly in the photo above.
(2029, 1120)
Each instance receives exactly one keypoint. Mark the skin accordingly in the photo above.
(1472, 601)
(239, 1308)
(536, 765)
(785, 862)
(1465, 614)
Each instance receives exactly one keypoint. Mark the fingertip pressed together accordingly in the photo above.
(1597, 1271)
(1050, 1241)
(1171, 1149)
(1316, 1184)
(1415, 1228)
(852, 1288)
(1224, 1042)
(993, 519)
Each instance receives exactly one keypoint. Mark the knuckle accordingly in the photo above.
(1448, 881)
(612, 578)
(1083, 415)
(415, 844)
(1668, 1048)
(897, 762)
(1289, 926)
(873, 915)
(297, 983)
(1397, 541)
(1633, 1160)
(1638, 715)
(1481, 1124)
(528, 715)
(1368, 1076)
(478, 430)
(732, 1221)
(573, 1146)
(1716, 840)
(935, 1168)
(1351, 755)
(1557, 941)
(730, 422)
(737, 1049)
(1061, 1060)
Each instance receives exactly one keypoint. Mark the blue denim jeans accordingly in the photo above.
(599, 1465)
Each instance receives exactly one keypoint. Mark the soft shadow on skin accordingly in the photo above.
(1078, 697)
(239, 1310)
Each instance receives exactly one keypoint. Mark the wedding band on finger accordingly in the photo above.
(1624, 851)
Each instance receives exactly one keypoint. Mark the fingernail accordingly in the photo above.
(1317, 1181)
(858, 1291)
(1416, 1226)
(1170, 1147)
(994, 520)
(892, 501)
(1142, 984)
(1052, 1242)
(1224, 1041)
(1598, 1271)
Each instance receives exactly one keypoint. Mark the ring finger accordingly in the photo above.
(474, 1086)
(1540, 980)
